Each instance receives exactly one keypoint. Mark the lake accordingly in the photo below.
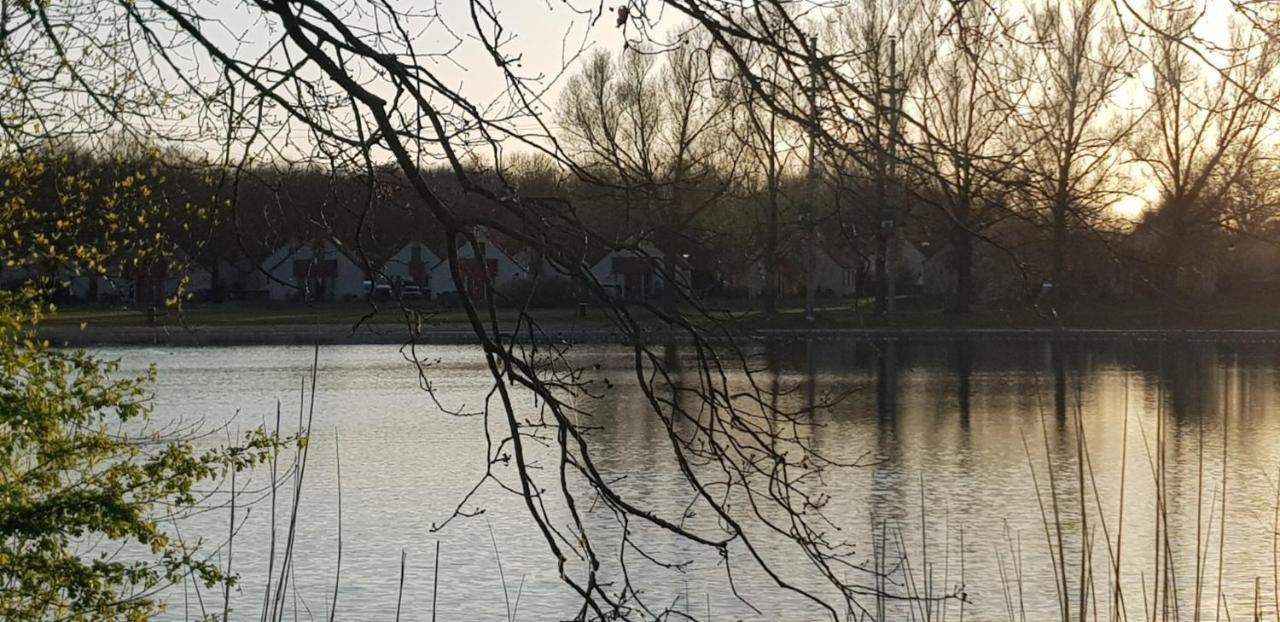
(953, 493)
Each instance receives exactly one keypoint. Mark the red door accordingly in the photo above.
(476, 274)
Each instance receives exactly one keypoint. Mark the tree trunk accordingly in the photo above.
(1173, 248)
(884, 234)
(217, 289)
(811, 282)
(964, 269)
(771, 287)
(882, 270)
(1174, 252)
(1059, 275)
(670, 300)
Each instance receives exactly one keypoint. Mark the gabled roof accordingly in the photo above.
(842, 251)
(426, 246)
(291, 248)
(489, 238)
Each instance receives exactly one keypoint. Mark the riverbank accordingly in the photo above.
(339, 334)
(260, 324)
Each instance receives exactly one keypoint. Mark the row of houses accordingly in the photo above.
(324, 270)
(839, 270)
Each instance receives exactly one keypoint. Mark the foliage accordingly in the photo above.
(68, 214)
(85, 484)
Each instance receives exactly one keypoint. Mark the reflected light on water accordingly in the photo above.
(956, 441)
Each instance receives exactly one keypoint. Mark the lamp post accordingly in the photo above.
(811, 288)
(886, 169)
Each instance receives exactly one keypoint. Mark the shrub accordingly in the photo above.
(541, 293)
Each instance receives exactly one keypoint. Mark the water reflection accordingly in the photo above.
(964, 379)
(960, 421)
(951, 432)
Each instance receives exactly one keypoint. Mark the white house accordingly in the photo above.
(996, 275)
(239, 278)
(317, 271)
(139, 286)
(492, 264)
(413, 263)
(910, 262)
(908, 268)
(120, 284)
(836, 272)
(636, 273)
(938, 273)
(124, 285)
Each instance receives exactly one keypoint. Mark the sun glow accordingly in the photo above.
(1131, 207)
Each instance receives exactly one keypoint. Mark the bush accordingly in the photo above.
(79, 466)
(72, 476)
(541, 293)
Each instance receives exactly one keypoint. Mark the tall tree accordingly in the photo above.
(886, 45)
(961, 141)
(1075, 63)
(649, 123)
(771, 143)
(1210, 108)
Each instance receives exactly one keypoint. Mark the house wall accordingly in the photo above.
(910, 262)
(506, 270)
(346, 283)
(241, 280)
(280, 285)
(939, 278)
(834, 278)
(754, 279)
(81, 288)
(400, 266)
(130, 289)
(1197, 280)
(603, 273)
(604, 269)
(607, 272)
(995, 276)
(790, 278)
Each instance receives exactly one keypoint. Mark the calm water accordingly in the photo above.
(950, 432)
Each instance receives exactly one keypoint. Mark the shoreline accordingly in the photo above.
(69, 336)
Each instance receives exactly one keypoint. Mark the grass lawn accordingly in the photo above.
(841, 314)
(266, 314)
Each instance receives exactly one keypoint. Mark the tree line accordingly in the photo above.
(1062, 142)
(1072, 137)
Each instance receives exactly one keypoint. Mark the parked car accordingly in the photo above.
(381, 293)
(412, 292)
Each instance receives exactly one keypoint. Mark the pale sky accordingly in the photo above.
(546, 34)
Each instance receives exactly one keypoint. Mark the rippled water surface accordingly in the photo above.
(956, 440)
